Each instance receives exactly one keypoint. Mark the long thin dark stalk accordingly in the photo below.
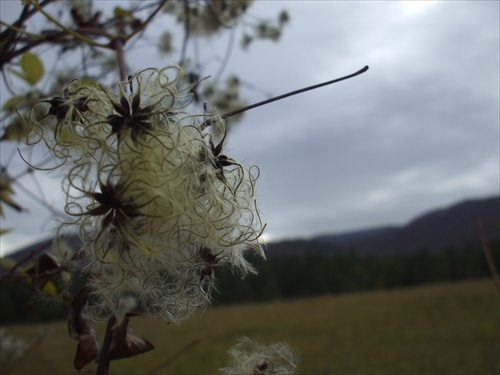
(41, 201)
(291, 93)
(120, 55)
(144, 24)
(104, 358)
(171, 358)
(487, 254)
(187, 33)
(8, 36)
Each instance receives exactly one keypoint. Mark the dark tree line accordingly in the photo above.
(319, 273)
(296, 276)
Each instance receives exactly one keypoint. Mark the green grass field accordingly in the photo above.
(435, 329)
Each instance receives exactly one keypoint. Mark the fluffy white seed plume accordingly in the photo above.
(12, 349)
(157, 203)
(248, 357)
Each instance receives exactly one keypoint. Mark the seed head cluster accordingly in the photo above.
(249, 357)
(158, 204)
(209, 17)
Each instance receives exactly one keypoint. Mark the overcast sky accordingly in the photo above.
(419, 130)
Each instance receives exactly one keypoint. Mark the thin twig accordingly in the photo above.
(145, 23)
(7, 85)
(173, 357)
(187, 25)
(120, 55)
(104, 358)
(279, 97)
(227, 55)
(487, 253)
(20, 30)
(7, 34)
(54, 37)
(73, 33)
(42, 201)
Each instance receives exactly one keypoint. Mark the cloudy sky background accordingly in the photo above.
(419, 130)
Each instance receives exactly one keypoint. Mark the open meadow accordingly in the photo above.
(450, 328)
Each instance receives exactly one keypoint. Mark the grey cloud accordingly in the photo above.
(420, 129)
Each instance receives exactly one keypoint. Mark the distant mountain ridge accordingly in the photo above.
(454, 226)
(356, 235)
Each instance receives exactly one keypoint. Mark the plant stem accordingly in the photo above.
(73, 33)
(487, 254)
(104, 359)
(173, 357)
(299, 91)
(145, 23)
(120, 55)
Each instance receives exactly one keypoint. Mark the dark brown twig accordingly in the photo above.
(104, 356)
(120, 55)
(148, 20)
(187, 28)
(487, 254)
(171, 358)
(291, 93)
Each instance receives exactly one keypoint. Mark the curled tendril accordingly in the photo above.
(157, 202)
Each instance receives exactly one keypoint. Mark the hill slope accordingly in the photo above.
(454, 226)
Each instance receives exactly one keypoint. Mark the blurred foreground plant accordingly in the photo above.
(12, 349)
(250, 357)
(158, 205)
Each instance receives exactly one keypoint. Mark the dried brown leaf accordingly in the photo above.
(87, 350)
(46, 268)
(78, 322)
(126, 344)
